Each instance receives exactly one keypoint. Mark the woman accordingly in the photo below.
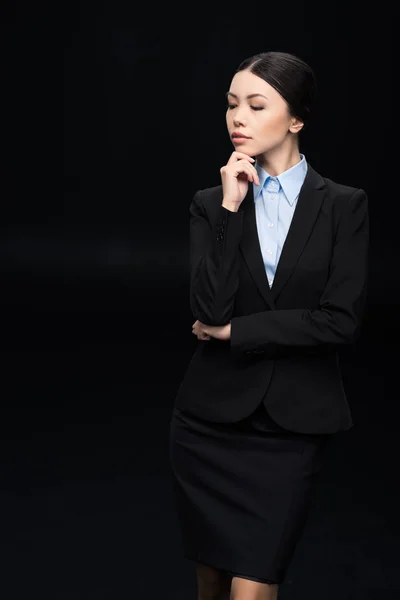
(278, 284)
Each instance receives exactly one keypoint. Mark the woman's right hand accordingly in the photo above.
(235, 176)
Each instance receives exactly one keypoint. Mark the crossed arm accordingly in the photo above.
(336, 321)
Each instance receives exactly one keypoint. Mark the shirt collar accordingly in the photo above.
(290, 180)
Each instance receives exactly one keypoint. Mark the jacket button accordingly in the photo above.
(219, 238)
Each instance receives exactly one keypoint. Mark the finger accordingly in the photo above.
(235, 156)
(256, 177)
(254, 173)
(246, 168)
(253, 170)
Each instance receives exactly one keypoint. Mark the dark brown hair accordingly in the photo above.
(292, 78)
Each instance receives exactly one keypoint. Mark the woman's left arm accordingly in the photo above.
(338, 319)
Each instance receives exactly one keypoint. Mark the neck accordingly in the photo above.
(278, 160)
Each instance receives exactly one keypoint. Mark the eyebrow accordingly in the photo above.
(249, 96)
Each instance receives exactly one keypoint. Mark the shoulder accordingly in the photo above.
(340, 189)
(346, 203)
(208, 196)
(207, 202)
(339, 195)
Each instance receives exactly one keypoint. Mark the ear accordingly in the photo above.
(296, 125)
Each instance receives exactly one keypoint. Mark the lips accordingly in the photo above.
(237, 134)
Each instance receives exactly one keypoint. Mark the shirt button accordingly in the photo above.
(269, 251)
(273, 196)
(270, 224)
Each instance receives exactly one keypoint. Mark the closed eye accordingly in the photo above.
(230, 106)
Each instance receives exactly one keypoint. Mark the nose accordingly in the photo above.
(239, 119)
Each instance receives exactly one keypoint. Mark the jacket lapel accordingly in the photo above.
(304, 216)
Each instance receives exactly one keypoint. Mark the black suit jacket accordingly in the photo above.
(284, 340)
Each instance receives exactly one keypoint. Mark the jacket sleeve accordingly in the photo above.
(214, 263)
(337, 320)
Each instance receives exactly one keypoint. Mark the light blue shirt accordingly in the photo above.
(275, 201)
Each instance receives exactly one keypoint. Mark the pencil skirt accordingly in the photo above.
(242, 491)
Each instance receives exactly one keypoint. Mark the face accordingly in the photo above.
(264, 118)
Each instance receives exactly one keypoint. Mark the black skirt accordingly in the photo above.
(242, 491)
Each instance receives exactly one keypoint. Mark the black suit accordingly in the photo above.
(284, 339)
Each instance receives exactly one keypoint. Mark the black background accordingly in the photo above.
(114, 116)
